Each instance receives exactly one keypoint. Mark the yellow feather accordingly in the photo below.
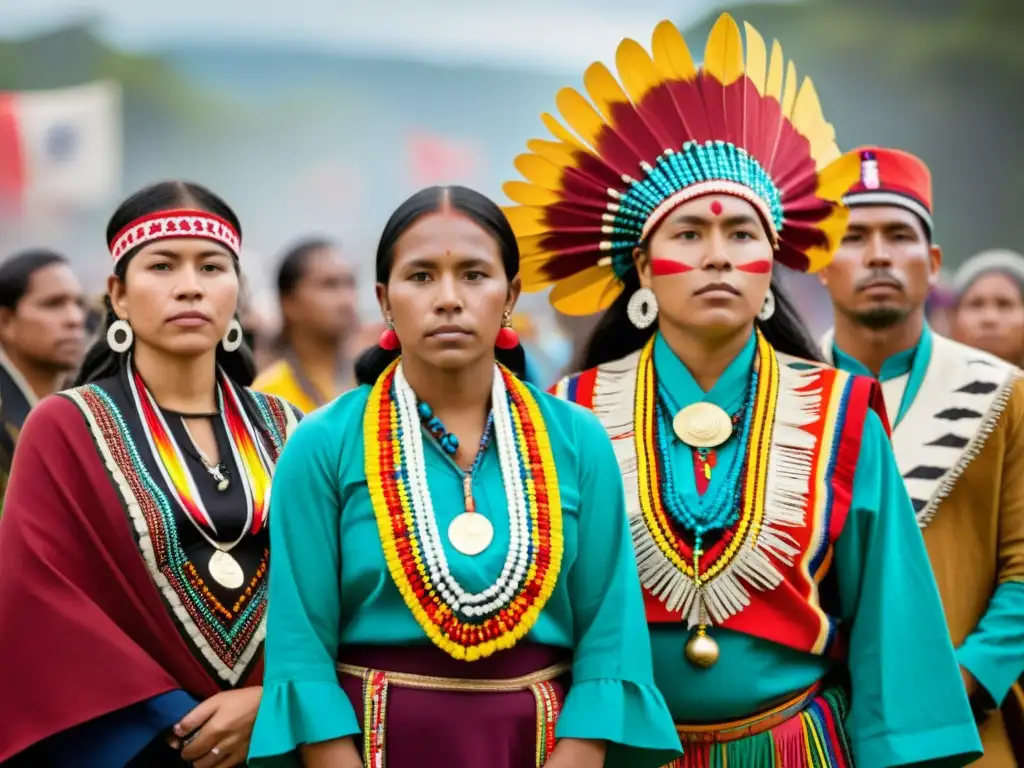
(835, 179)
(532, 249)
(636, 70)
(834, 227)
(540, 171)
(776, 67)
(757, 58)
(524, 193)
(533, 273)
(586, 292)
(556, 151)
(559, 131)
(723, 55)
(603, 89)
(789, 92)
(672, 58)
(580, 115)
(809, 120)
(526, 220)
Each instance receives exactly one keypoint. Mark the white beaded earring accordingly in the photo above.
(768, 307)
(120, 336)
(642, 309)
(232, 337)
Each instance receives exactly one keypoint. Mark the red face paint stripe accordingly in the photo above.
(662, 267)
(759, 267)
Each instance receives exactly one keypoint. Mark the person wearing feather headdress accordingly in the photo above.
(958, 430)
(774, 537)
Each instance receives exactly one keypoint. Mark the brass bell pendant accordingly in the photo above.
(701, 649)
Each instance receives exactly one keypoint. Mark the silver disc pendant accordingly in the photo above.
(470, 533)
(226, 571)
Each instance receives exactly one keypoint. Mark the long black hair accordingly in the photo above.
(16, 273)
(480, 209)
(101, 361)
(615, 336)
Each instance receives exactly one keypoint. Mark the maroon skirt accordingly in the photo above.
(423, 723)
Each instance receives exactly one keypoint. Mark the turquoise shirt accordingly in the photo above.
(906, 708)
(330, 586)
(994, 652)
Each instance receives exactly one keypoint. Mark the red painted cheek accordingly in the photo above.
(663, 267)
(716, 208)
(759, 267)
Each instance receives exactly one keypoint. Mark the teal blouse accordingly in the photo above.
(330, 586)
(908, 703)
(994, 652)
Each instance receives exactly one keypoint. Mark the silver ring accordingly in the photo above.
(215, 751)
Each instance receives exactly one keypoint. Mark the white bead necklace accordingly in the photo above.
(517, 561)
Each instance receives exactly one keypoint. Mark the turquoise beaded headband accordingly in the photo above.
(714, 167)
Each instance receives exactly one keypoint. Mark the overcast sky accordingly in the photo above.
(551, 34)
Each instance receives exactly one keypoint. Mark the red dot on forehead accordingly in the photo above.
(716, 207)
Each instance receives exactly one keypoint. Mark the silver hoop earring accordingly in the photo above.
(768, 307)
(233, 336)
(120, 336)
(642, 309)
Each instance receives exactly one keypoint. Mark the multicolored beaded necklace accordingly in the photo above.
(248, 452)
(465, 625)
(705, 514)
(739, 515)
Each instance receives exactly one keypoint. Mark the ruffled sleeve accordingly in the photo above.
(613, 696)
(302, 700)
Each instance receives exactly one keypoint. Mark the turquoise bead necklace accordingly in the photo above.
(708, 513)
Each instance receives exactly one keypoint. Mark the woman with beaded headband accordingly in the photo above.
(135, 536)
(453, 581)
(775, 541)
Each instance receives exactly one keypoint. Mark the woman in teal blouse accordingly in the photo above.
(453, 543)
(795, 621)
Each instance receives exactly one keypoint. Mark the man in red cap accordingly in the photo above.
(957, 418)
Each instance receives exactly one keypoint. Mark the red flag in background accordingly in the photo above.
(436, 160)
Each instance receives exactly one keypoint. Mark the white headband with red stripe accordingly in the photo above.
(177, 223)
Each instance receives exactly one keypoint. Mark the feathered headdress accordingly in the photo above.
(669, 133)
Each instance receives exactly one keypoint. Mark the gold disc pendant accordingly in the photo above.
(701, 649)
(470, 533)
(702, 425)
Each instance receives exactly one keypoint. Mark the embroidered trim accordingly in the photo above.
(227, 638)
(775, 497)
(465, 629)
(176, 223)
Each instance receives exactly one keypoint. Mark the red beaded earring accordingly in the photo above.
(507, 337)
(389, 339)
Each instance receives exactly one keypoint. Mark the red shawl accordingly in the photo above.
(83, 628)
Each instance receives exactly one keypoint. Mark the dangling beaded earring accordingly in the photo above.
(233, 336)
(642, 309)
(120, 336)
(768, 307)
(507, 337)
(389, 339)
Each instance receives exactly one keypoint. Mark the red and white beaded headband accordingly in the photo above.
(184, 222)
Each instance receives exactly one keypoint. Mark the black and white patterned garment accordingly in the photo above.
(963, 394)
